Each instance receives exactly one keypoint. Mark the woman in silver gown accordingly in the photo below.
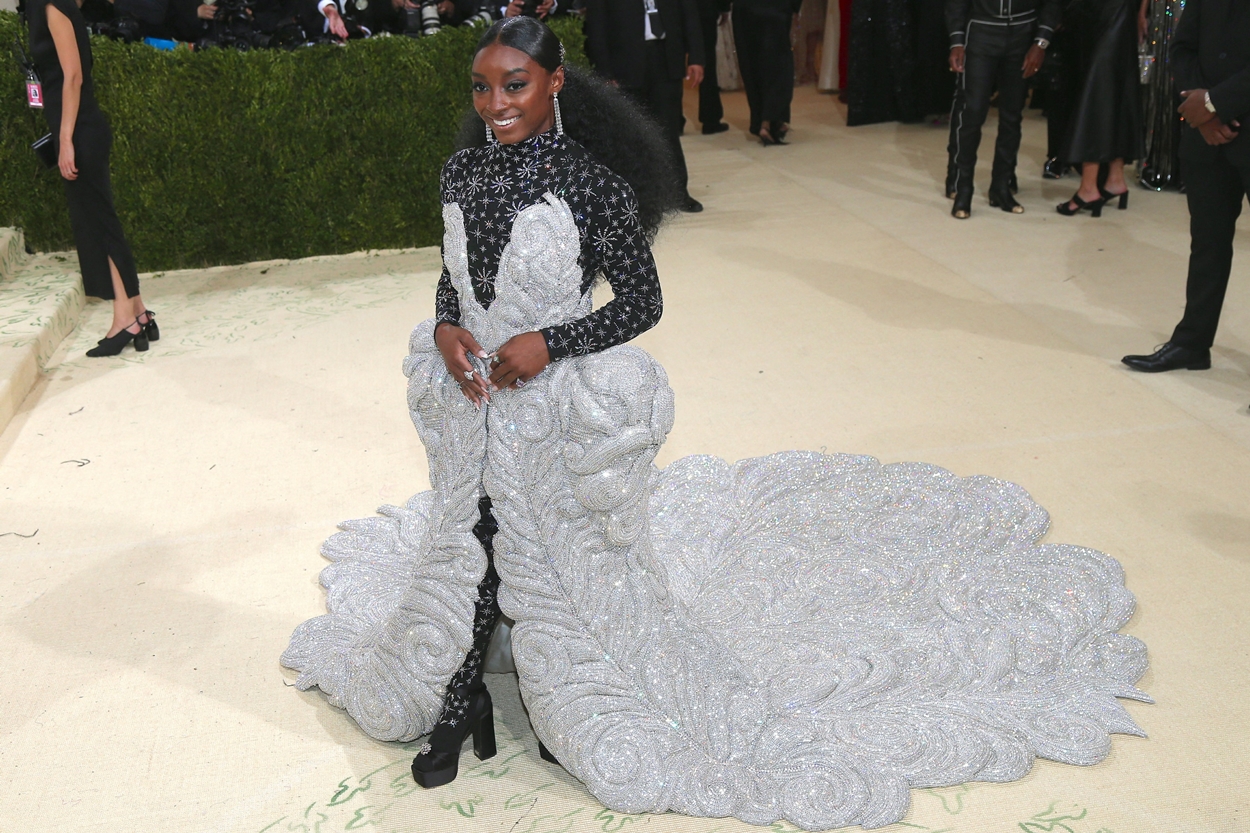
(798, 636)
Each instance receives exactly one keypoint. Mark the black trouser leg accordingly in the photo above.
(468, 679)
(711, 111)
(977, 84)
(661, 97)
(1013, 89)
(956, 118)
(1215, 189)
(747, 38)
(778, 69)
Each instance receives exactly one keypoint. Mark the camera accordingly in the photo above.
(232, 28)
(123, 28)
(422, 19)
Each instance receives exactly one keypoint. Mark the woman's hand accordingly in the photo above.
(65, 160)
(205, 11)
(453, 344)
(522, 358)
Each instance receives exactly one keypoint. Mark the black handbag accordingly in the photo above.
(45, 149)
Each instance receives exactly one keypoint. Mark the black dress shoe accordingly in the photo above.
(1170, 357)
(717, 127)
(691, 206)
(1054, 169)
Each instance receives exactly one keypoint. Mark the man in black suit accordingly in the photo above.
(646, 47)
(711, 111)
(1211, 62)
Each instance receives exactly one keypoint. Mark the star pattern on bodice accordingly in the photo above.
(495, 183)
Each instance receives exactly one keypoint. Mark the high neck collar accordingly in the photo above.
(535, 144)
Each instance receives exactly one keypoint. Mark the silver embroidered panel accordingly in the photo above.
(799, 636)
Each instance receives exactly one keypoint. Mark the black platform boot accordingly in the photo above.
(467, 707)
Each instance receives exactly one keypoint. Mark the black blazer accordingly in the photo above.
(615, 40)
(1211, 51)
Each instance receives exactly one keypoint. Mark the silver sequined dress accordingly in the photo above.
(798, 636)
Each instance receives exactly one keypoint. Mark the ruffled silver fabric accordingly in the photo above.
(798, 636)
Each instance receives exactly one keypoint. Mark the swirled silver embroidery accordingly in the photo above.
(798, 636)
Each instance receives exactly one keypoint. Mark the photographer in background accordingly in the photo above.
(203, 20)
(541, 9)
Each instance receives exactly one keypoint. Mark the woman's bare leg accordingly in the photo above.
(1115, 177)
(125, 310)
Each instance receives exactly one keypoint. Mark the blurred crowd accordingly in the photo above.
(244, 24)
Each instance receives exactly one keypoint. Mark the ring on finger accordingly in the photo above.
(468, 374)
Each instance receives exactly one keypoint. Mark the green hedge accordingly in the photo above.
(225, 157)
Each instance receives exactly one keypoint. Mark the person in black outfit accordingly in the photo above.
(643, 46)
(766, 61)
(1001, 41)
(1105, 128)
(62, 54)
(711, 111)
(1211, 63)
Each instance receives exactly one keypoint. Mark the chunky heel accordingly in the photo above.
(438, 761)
(1108, 196)
(484, 737)
(150, 329)
(141, 342)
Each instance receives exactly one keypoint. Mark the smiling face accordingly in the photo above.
(513, 93)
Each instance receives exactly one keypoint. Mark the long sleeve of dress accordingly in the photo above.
(446, 300)
(624, 257)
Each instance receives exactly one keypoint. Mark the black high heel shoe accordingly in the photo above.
(112, 345)
(1094, 206)
(150, 329)
(439, 759)
(1108, 196)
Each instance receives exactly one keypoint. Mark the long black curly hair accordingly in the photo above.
(609, 124)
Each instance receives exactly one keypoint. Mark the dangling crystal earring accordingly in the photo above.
(490, 137)
(555, 102)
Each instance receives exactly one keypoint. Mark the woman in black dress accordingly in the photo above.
(62, 52)
(1106, 129)
(766, 61)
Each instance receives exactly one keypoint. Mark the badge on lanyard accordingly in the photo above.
(34, 93)
(653, 18)
(34, 89)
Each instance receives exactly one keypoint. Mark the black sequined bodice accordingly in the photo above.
(492, 184)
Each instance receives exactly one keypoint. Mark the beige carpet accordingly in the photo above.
(167, 507)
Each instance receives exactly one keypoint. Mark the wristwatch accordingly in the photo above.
(1206, 100)
(1042, 43)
